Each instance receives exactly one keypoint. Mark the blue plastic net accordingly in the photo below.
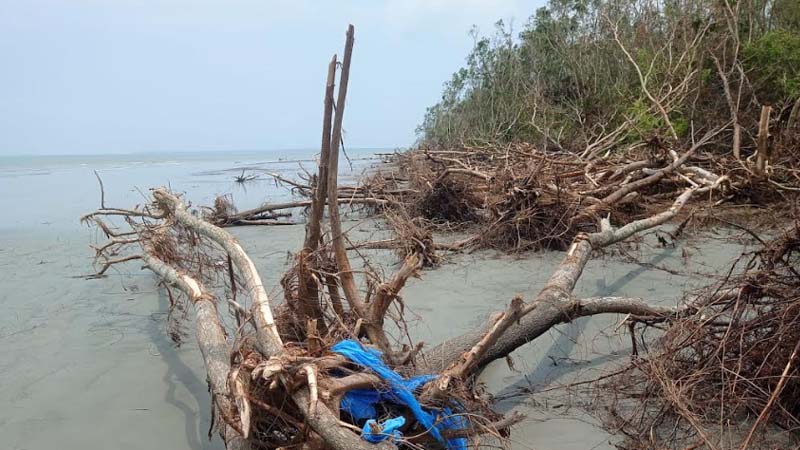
(361, 403)
(375, 433)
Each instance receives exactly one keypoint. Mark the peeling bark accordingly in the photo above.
(211, 339)
(266, 330)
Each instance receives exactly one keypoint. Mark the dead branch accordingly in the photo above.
(389, 290)
(655, 177)
(267, 331)
(109, 262)
(553, 304)
(763, 147)
(261, 210)
(211, 338)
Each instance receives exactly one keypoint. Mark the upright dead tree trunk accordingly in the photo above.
(354, 299)
(763, 148)
(793, 115)
(309, 307)
(733, 104)
(337, 236)
(313, 227)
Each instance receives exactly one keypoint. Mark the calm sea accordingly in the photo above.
(41, 193)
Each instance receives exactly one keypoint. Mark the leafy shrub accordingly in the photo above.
(773, 64)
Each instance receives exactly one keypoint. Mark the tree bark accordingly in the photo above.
(210, 338)
(337, 236)
(762, 142)
(266, 331)
(314, 226)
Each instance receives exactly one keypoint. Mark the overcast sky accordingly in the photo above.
(116, 76)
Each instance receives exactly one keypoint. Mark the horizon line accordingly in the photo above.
(150, 152)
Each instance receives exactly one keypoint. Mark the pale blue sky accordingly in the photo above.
(116, 76)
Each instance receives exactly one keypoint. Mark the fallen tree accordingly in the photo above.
(289, 374)
(544, 123)
(724, 374)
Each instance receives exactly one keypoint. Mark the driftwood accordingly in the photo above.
(248, 217)
(213, 343)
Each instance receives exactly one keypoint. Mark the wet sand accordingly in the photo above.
(87, 364)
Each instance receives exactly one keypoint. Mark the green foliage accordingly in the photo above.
(564, 77)
(706, 75)
(644, 124)
(773, 62)
(787, 14)
(484, 100)
(681, 124)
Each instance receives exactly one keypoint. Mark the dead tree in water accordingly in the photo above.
(274, 380)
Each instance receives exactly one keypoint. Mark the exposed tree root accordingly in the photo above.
(726, 374)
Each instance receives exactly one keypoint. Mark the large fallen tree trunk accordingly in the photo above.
(227, 389)
(213, 343)
(284, 376)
